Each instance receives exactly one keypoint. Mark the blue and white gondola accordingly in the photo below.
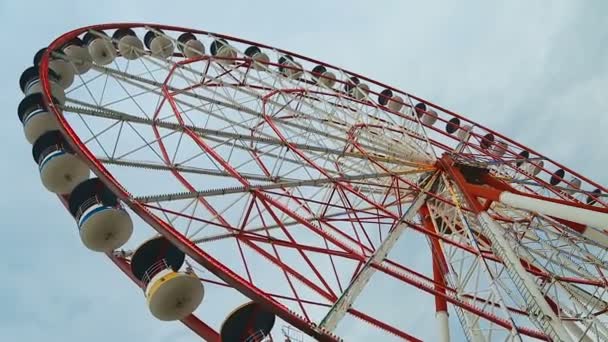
(103, 224)
(35, 117)
(29, 82)
(60, 169)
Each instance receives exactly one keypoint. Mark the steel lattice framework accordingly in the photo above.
(303, 196)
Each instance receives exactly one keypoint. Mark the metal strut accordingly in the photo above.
(356, 286)
(540, 312)
(278, 185)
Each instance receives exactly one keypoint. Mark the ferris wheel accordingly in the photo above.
(256, 194)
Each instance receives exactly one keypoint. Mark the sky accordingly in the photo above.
(534, 71)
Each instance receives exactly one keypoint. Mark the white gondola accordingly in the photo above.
(62, 69)
(464, 132)
(534, 167)
(499, 148)
(223, 51)
(226, 51)
(574, 185)
(170, 293)
(294, 70)
(260, 59)
(30, 84)
(78, 56)
(190, 46)
(328, 79)
(60, 169)
(290, 68)
(103, 224)
(350, 84)
(360, 91)
(429, 117)
(129, 45)
(35, 117)
(100, 48)
(173, 295)
(396, 103)
(159, 44)
(323, 77)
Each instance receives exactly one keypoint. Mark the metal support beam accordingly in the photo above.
(540, 312)
(242, 189)
(356, 286)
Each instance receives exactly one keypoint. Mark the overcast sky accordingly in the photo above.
(535, 71)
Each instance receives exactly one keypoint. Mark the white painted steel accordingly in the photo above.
(443, 326)
(580, 215)
(540, 310)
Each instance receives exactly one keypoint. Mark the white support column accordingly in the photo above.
(443, 326)
(576, 331)
(595, 235)
(539, 311)
(587, 217)
(579, 296)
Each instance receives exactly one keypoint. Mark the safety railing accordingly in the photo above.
(47, 151)
(86, 205)
(153, 270)
(257, 336)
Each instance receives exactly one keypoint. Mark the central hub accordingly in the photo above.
(472, 174)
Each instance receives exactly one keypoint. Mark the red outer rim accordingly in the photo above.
(180, 241)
